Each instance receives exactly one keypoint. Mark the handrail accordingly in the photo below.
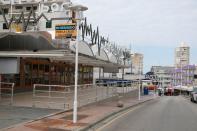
(87, 93)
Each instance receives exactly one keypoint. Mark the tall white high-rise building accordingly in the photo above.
(182, 55)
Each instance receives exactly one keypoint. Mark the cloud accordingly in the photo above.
(145, 22)
(153, 27)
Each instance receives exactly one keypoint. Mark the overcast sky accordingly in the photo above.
(148, 25)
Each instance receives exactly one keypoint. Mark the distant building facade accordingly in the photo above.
(137, 63)
(163, 73)
(182, 55)
(184, 76)
(195, 77)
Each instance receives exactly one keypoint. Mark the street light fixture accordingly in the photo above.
(78, 9)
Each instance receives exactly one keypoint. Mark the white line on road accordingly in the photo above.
(116, 118)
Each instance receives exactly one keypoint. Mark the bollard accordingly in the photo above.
(119, 103)
(12, 94)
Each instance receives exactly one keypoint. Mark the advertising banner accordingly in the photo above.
(16, 27)
(67, 30)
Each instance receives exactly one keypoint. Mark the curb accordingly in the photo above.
(112, 114)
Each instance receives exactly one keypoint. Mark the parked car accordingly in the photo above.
(194, 95)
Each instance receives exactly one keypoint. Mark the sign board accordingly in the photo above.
(9, 65)
(67, 30)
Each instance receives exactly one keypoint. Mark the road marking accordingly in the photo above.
(116, 118)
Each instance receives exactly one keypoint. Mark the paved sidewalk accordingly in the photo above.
(87, 115)
(11, 115)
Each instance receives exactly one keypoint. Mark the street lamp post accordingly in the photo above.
(163, 82)
(181, 78)
(175, 78)
(78, 9)
(156, 81)
(139, 91)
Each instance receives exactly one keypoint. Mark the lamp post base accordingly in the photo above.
(75, 112)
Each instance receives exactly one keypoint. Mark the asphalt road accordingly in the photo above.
(169, 113)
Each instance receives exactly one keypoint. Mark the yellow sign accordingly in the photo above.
(65, 30)
(16, 27)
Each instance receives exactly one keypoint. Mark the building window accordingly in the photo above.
(5, 26)
(28, 8)
(18, 7)
(35, 7)
(6, 10)
(49, 24)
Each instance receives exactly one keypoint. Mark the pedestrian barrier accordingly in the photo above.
(48, 95)
(61, 96)
(6, 93)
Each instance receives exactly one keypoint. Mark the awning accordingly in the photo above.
(31, 41)
(40, 45)
(60, 55)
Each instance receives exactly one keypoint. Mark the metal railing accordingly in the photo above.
(50, 94)
(61, 96)
(7, 92)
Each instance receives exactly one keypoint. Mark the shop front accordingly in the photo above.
(43, 71)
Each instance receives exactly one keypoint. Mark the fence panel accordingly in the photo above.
(61, 96)
(6, 93)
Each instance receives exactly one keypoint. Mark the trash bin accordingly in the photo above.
(146, 91)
